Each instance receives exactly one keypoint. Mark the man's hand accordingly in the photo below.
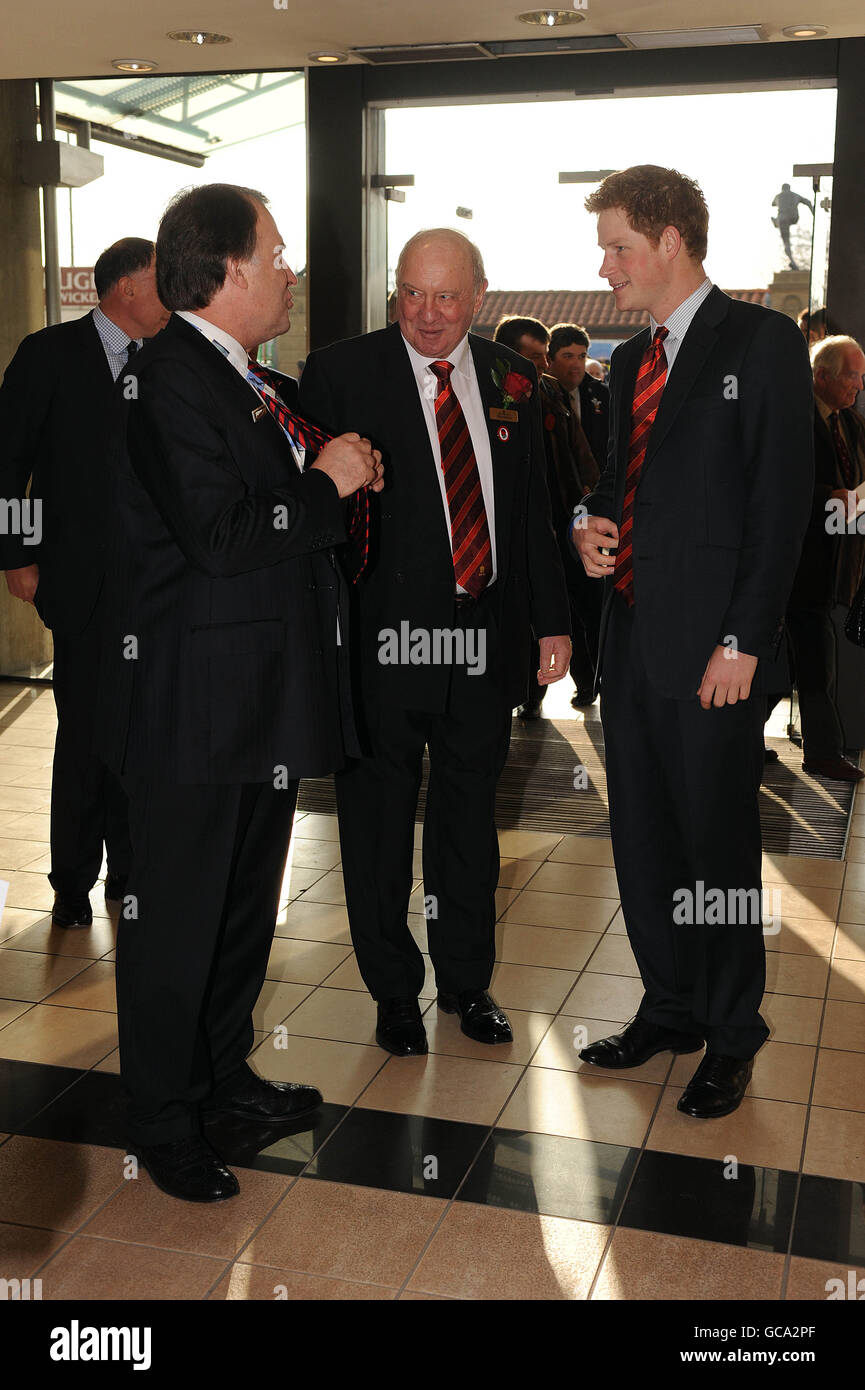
(22, 583)
(555, 659)
(351, 463)
(727, 678)
(590, 535)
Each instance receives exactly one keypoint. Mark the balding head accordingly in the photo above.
(440, 285)
(838, 364)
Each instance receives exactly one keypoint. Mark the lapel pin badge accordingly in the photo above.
(504, 433)
(257, 414)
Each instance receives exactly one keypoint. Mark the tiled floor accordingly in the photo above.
(475, 1173)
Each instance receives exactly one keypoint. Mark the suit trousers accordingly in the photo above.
(377, 799)
(684, 816)
(88, 805)
(812, 637)
(193, 942)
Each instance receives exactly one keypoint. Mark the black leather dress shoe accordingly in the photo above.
(188, 1169)
(71, 910)
(115, 887)
(400, 1028)
(582, 697)
(257, 1099)
(640, 1041)
(480, 1016)
(717, 1086)
(529, 711)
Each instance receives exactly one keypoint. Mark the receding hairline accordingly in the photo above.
(828, 353)
(431, 235)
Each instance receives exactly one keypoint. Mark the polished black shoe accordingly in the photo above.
(188, 1169)
(400, 1028)
(71, 910)
(717, 1086)
(257, 1099)
(115, 887)
(583, 697)
(640, 1041)
(480, 1016)
(529, 711)
(835, 769)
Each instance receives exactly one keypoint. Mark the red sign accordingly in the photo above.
(77, 290)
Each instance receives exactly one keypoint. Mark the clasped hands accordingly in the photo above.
(351, 463)
(729, 672)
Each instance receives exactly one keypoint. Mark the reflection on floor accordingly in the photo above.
(474, 1173)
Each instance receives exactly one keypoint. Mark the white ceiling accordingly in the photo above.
(57, 38)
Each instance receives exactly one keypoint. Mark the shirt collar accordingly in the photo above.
(826, 411)
(459, 358)
(222, 341)
(679, 321)
(114, 338)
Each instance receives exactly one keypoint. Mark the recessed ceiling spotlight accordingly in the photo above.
(332, 56)
(804, 31)
(551, 19)
(197, 37)
(133, 64)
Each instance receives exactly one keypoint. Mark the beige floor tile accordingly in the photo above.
(565, 950)
(343, 1015)
(818, 904)
(792, 1018)
(515, 873)
(850, 941)
(15, 854)
(20, 756)
(444, 1088)
(536, 988)
(534, 909)
(340, 1070)
(763, 1132)
(30, 890)
(314, 854)
(583, 849)
(599, 1106)
(316, 827)
(583, 880)
(110, 1063)
(257, 1283)
(487, 1253)
(847, 981)
(796, 974)
(11, 1009)
(816, 1280)
(33, 975)
(297, 880)
(561, 1047)
(59, 1037)
(840, 1081)
(613, 957)
(44, 1182)
(303, 962)
(276, 1001)
(836, 1144)
(856, 849)
(852, 907)
(308, 921)
(526, 844)
(15, 920)
(445, 1036)
(617, 926)
(854, 878)
(27, 735)
(803, 869)
(645, 1265)
(604, 996)
(327, 888)
(801, 936)
(88, 943)
(139, 1214)
(782, 1071)
(28, 825)
(90, 1268)
(24, 1248)
(40, 777)
(844, 1026)
(347, 976)
(341, 1231)
(93, 988)
(24, 800)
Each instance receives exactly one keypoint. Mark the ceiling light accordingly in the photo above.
(804, 31)
(695, 38)
(334, 56)
(197, 37)
(133, 64)
(551, 19)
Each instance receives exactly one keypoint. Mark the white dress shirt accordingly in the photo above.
(464, 381)
(678, 323)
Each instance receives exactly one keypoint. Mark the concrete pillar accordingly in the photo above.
(25, 646)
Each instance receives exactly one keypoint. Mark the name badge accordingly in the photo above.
(496, 413)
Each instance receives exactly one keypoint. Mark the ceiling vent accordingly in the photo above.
(424, 53)
(696, 38)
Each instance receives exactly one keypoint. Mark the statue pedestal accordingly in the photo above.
(788, 292)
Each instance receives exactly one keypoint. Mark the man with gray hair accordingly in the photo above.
(460, 539)
(833, 553)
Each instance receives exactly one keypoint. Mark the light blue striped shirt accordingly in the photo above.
(678, 323)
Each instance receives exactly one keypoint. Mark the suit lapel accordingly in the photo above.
(699, 340)
(404, 420)
(504, 453)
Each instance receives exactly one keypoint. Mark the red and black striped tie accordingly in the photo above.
(470, 533)
(311, 439)
(651, 379)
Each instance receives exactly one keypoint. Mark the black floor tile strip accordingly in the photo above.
(402, 1153)
(27, 1087)
(830, 1220)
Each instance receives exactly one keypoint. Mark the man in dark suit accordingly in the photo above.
(833, 554)
(696, 527)
(221, 674)
(589, 399)
(463, 564)
(54, 404)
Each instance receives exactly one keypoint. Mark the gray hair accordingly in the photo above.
(828, 353)
(444, 233)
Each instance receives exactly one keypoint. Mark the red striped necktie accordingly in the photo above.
(470, 535)
(311, 439)
(647, 397)
(842, 453)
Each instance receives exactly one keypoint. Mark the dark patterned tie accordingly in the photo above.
(311, 439)
(647, 397)
(470, 535)
(842, 453)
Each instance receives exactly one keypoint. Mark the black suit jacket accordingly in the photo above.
(595, 417)
(830, 565)
(220, 661)
(367, 384)
(53, 407)
(724, 494)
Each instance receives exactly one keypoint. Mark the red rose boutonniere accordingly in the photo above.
(514, 388)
